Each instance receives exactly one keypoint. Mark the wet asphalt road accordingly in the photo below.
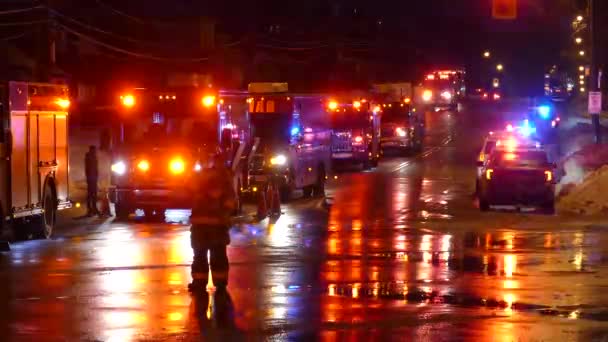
(402, 253)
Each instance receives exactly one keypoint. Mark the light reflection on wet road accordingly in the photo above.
(401, 253)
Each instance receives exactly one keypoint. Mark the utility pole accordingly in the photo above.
(596, 81)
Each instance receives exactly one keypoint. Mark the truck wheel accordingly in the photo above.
(549, 207)
(484, 205)
(122, 211)
(307, 191)
(319, 187)
(49, 216)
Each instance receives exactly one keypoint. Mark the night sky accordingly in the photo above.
(390, 39)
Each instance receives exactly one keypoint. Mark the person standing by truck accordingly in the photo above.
(214, 202)
(92, 175)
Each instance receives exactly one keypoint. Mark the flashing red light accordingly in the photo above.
(358, 139)
(496, 96)
(430, 77)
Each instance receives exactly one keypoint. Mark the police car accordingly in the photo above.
(508, 138)
(517, 175)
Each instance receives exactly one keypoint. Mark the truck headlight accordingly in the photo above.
(119, 168)
(278, 160)
(400, 132)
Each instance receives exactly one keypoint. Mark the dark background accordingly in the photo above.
(314, 45)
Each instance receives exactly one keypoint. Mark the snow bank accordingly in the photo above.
(590, 197)
(584, 187)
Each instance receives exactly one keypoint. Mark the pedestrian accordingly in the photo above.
(92, 175)
(214, 202)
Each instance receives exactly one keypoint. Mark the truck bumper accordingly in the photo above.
(152, 198)
(353, 157)
(395, 143)
(523, 196)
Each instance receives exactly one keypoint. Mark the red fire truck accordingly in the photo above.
(291, 136)
(167, 136)
(33, 156)
(355, 128)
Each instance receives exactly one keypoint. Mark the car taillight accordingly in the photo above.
(358, 139)
(400, 131)
(489, 174)
(548, 176)
(143, 166)
(496, 96)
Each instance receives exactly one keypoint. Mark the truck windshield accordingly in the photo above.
(349, 119)
(395, 114)
(161, 132)
(271, 128)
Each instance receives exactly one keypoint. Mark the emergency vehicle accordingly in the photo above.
(443, 89)
(518, 176)
(355, 138)
(167, 136)
(291, 140)
(33, 156)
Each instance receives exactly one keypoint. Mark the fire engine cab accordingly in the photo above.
(355, 128)
(290, 138)
(167, 136)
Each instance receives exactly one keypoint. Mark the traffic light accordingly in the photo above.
(504, 9)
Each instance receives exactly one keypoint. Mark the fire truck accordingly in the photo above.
(355, 128)
(167, 136)
(291, 138)
(33, 156)
(402, 127)
(442, 89)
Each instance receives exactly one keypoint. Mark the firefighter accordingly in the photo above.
(214, 201)
(92, 176)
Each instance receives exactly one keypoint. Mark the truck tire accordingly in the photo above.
(47, 222)
(484, 205)
(319, 187)
(308, 191)
(374, 162)
(122, 211)
(549, 207)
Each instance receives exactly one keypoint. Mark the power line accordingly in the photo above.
(131, 53)
(102, 31)
(14, 37)
(20, 10)
(123, 14)
(25, 23)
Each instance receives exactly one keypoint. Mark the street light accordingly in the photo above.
(578, 40)
(581, 53)
(499, 67)
(581, 68)
(582, 77)
(579, 18)
(486, 54)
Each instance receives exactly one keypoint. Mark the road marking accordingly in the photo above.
(427, 153)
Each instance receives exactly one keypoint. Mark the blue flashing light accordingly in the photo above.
(526, 129)
(295, 130)
(544, 112)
